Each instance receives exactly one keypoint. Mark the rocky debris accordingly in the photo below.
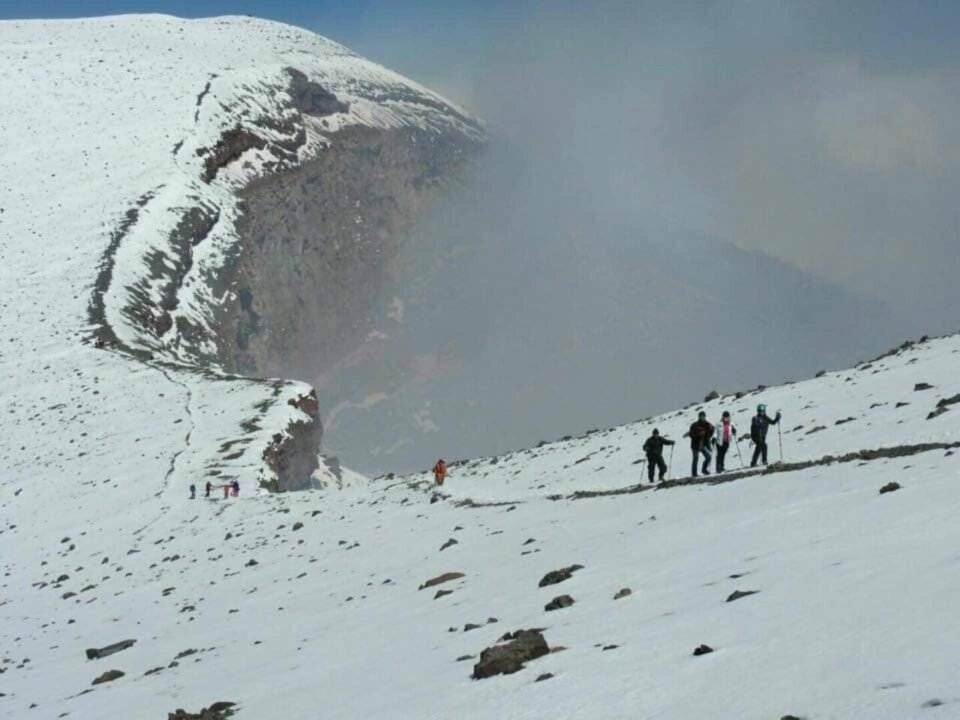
(251, 563)
(218, 711)
(449, 543)
(890, 487)
(97, 653)
(622, 593)
(471, 626)
(558, 603)
(791, 717)
(441, 593)
(108, 676)
(231, 145)
(937, 413)
(609, 647)
(737, 594)
(509, 655)
(558, 576)
(702, 650)
(312, 98)
(297, 526)
(711, 396)
(440, 579)
(922, 386)
(544, 676)
(820, 373)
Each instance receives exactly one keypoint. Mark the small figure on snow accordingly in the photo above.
(208, 489)
(226, 491)
(721, 439)
(653, 447)
(439, 472)
(758, 433)
(700, 433)
(235, 488)
(193, 491)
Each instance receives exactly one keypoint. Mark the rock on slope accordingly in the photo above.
(137, 149)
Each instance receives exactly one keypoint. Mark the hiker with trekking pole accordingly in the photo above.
(653, 447)
(701, 435)
(758, 433)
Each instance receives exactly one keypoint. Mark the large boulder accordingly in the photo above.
(509, 655)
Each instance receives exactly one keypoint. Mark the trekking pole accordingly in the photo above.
(670, 464)
(737, 441)
(780, 434)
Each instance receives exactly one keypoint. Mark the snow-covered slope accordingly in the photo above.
(307, 605)
(125, 141)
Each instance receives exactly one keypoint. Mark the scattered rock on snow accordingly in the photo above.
(890, 487)
(622, 593)
(448, 543)
(97, 653)
(440, 579)
(737, 594)
(712, 395)
(108, 676)
(558, 576)
(559, 602)
(702, 650)
(218, 711)
(921, 386)
(441, 593)
(544, 676)
(510, 654)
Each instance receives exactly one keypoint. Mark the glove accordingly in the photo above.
(778, 414)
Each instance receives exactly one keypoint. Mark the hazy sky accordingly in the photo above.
(825, 134)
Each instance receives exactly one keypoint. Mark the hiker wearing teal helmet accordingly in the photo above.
(758, 433)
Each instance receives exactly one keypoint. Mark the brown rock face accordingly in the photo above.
(318, 241)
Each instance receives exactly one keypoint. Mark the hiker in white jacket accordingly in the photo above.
(722, 437)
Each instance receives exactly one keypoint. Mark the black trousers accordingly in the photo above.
(721, 456)
(760, 449)
(697, 452)
(655, 462)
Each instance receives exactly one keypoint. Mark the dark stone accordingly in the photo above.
(509, 656)
(622, 593)
(448, 543)
(558, 576)
(890, 487)
(702, 650)
(297, 526)
(108, 676)
(97, 653)
(922, 386)
(218, 711)
(712, 395)
(441, 593)
(440, 579)
(737, 594)
(559, 602)
(471, 626)
(610, 647)
(545, 676)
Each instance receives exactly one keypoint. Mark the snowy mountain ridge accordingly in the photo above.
(126, 141)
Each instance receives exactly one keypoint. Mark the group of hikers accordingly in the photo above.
(704, 437)
(229, 489)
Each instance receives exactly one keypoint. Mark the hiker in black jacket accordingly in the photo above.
(758, 433)
(653, 447)
(701, 432)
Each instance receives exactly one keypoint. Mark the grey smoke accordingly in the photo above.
(590, 273)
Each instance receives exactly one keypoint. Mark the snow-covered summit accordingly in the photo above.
(125, 141)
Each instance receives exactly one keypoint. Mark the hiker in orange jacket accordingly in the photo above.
(440, 471)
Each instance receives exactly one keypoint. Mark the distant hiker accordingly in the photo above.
(235, 487)
(653, 447)
(758, 433)
(701, 432)
(724, 434)
(226, 492)
(208, 488)
(193, 492)
(440, 472)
